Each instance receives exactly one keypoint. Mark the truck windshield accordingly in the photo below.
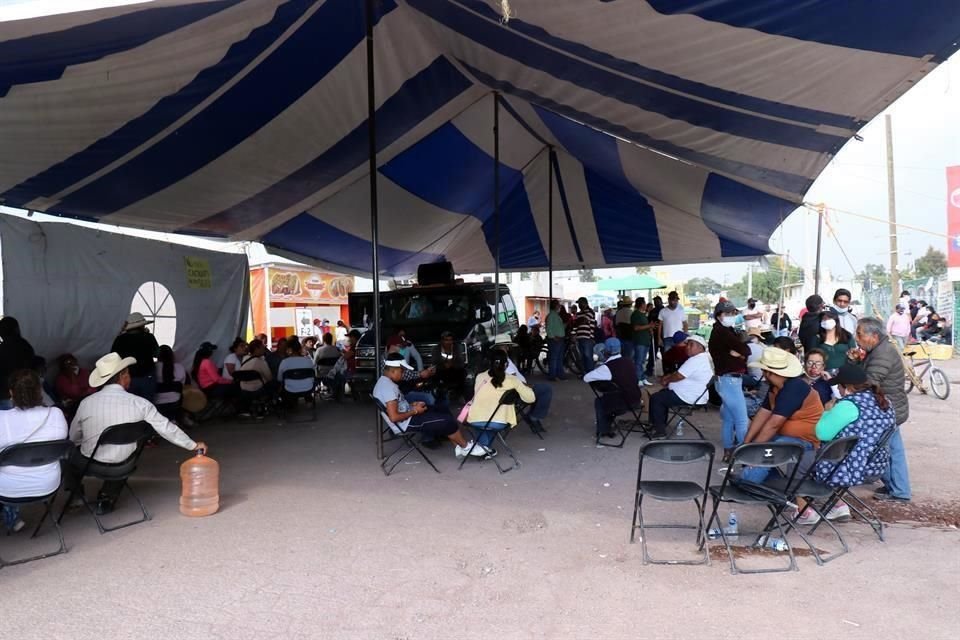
(428, 308)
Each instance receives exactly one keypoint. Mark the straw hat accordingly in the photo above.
(135, 320)
(107, 367)
(755, 331)
(779, 362)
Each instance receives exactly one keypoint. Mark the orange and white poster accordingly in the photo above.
(953, 217)
(309, 287)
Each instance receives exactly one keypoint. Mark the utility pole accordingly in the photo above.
(892, 210)
(750, 280)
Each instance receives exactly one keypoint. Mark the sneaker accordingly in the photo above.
(889, 497)
(882, 490)
(17, 526)
(646, 383)
(490, 452)
(659, 434)
(809, 517)
(480, 451)
(461, 452)
(840, 512)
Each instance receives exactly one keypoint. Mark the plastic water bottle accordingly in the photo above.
(713, 533)
(733, 525)
(200, 477)
(777, 544)
(680, 428)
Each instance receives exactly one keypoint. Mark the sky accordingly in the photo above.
(926, 139)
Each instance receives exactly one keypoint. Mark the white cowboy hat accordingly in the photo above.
(698, 339)
(780, 362)
(135, 320)
(107, 367)
(397, 363)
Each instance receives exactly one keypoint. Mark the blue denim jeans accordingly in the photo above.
(541, 407)
(555, 348)
(759, 474)
(640, 360)
(626, 349)
(489, 434)
(420, 396)
(897, 478)
(586, 353)
(733, 411)
(9, 513)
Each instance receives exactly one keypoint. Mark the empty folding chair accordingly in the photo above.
(36, 454)
(308, 395)
(607, 388)
(135, 433)
(510, 396)
(771, 455)
(673, 453)
(830, 456)
(406, 446)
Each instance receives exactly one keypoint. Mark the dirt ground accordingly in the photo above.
(314, 542)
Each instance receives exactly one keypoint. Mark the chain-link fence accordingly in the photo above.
(939, 293)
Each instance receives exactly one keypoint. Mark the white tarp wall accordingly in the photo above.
(72, 287)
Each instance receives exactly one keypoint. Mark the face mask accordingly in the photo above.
(728, 321)
(404, 351)
(752, 306)
(828, 324)
(842, 311)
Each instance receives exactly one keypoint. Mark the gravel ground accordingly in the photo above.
(314, 542)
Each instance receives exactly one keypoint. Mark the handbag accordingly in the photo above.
(465, 411)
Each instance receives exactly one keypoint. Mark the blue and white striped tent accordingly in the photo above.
(675, 130)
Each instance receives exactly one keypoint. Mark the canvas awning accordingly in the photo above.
(639, 282)
(671, 132)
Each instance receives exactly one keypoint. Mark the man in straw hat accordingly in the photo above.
(110, 406)
(136, 342)
(791, 411)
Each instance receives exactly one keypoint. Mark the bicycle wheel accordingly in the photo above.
(542, 362)
(907, 384)
(939, 383)
(572, 361)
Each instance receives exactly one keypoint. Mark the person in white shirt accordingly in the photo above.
(684, 387)
(672, 318)
(110, 406)
(752, 315)
(28, 421)
(340, 333)
(846, 317)
(237, 350)
(255, 361)
(168, 370)
(295, 360)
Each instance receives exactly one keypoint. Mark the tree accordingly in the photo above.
(931, 264)
(766, 284)
(643, 270)
(586, 275)
(703, 285)
(875, 276)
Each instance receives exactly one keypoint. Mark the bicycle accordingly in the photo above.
(916, 370)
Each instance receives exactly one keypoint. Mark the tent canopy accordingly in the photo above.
(675, 131)
(639, 282)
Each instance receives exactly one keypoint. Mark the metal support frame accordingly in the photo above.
(374, 213)
(550, 156)
(496, 213)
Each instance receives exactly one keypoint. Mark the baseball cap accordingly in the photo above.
(679, 337)
(611, 346)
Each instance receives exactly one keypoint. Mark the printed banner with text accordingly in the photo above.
(953, 216)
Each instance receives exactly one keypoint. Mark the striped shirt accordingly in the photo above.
(585, 325)
(110, 406)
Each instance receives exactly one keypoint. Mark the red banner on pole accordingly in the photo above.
(953, 216)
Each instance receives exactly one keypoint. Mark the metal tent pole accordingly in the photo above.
(550, 157)
(496, 213)
(374, 219)
(816, 268)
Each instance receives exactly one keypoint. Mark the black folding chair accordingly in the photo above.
(857, 506)
(605, 388)
(833, 454)
(257, 401)
(407, 437)
(309, 396)
(510, 396)
(770, 455)
(36, 454)
(673, 453)
(523, 413)
(681, 414)
(171, 410)
(135, 433)
(324, 369)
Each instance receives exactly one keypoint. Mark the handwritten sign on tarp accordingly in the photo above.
(198, 273)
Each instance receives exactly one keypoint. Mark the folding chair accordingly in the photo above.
(602, 388)
(324, 369)
(673, 452)
(834, 453)
(407, 437)
(682, 413)
(309, 396)
(523, 413)
(136, 433)
(770, 455)
(171, 410)
(860, 508)
(36, 454)
(257, 401)
(510, 396)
